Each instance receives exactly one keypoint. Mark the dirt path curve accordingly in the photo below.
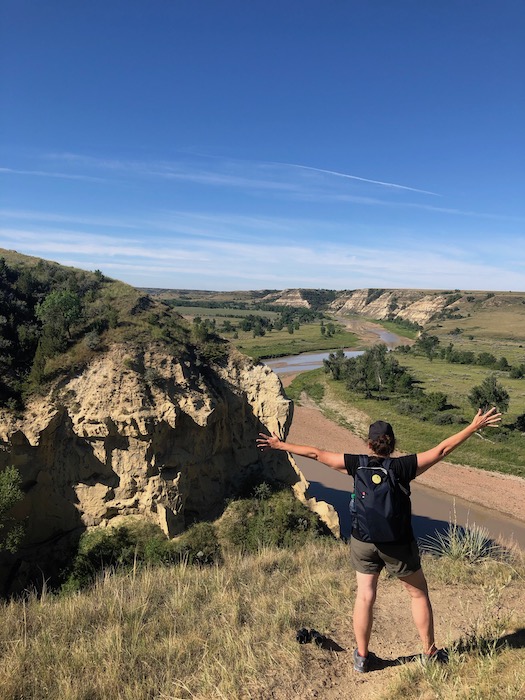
(506, 492)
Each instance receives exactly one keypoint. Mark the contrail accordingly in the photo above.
(361, 179)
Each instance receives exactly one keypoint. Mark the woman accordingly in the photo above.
(400, 558)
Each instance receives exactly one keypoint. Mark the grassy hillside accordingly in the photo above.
(228, 631)
(54, 319)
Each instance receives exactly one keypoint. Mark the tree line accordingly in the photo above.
(290, 318)
(430, 347)
(377, 374)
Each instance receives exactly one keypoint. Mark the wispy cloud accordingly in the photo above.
(228, 264)
(228, 172)
(46, 173)
(335, 173)
(39, 216)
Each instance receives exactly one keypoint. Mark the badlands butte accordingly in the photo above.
(114, 407)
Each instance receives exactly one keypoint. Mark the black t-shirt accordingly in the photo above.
(403, 467)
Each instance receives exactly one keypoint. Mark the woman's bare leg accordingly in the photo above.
(417, 588)
(364, 610)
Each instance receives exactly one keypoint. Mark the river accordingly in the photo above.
(312, 360)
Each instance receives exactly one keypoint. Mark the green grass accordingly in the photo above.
(505, 454)
(499, 330)
(457, 381)
(398, 329)
(222, 314)
(280, 343)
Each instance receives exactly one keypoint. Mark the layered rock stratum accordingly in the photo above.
(407, 304)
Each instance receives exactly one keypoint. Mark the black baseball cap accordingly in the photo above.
(380, 427)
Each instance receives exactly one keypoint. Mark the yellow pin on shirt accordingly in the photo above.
(376, 478)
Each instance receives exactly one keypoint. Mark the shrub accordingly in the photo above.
(11, 532)
(489, 393)
(410, 407)
(520, 423)
(436, 401)
(138, 544)
(152, 376)
(279, 521)
(448, 419)
(99, 550)
(92, 340)
(198, 545)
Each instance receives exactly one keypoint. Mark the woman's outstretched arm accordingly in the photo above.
(335, 460)
(427, 459)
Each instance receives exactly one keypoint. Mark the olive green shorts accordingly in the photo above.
(399, 559)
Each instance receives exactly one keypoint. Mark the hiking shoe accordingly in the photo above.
(440, 656)
(363, 664)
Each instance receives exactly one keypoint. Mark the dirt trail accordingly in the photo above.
(330, 675)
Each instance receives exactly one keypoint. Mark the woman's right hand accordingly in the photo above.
(268, 442)
(487, 419)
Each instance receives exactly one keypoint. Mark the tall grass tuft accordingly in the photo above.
(471, 543)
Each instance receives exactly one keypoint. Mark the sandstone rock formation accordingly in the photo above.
(411, 305)
(146, 435)
(288, 297)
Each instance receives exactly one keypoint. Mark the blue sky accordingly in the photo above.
(237, 144)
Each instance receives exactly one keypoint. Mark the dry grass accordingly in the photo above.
(179, 632)
(228, 632)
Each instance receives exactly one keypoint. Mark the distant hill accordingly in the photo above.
(496, 313)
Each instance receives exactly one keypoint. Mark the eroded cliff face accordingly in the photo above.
(411, 305)
(408, 304)
(288, 297)
(168, 443)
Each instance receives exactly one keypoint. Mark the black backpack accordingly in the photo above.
(380, 503)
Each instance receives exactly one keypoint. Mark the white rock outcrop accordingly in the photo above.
(168, 443)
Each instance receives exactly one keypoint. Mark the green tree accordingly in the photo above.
(486, 359)
(11, 532)
(489, 393)
(59, 311)
(330, 330)
(376, 370)
(427, 345)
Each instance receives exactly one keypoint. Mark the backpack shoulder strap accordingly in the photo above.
(386, 464)
(363, 461)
